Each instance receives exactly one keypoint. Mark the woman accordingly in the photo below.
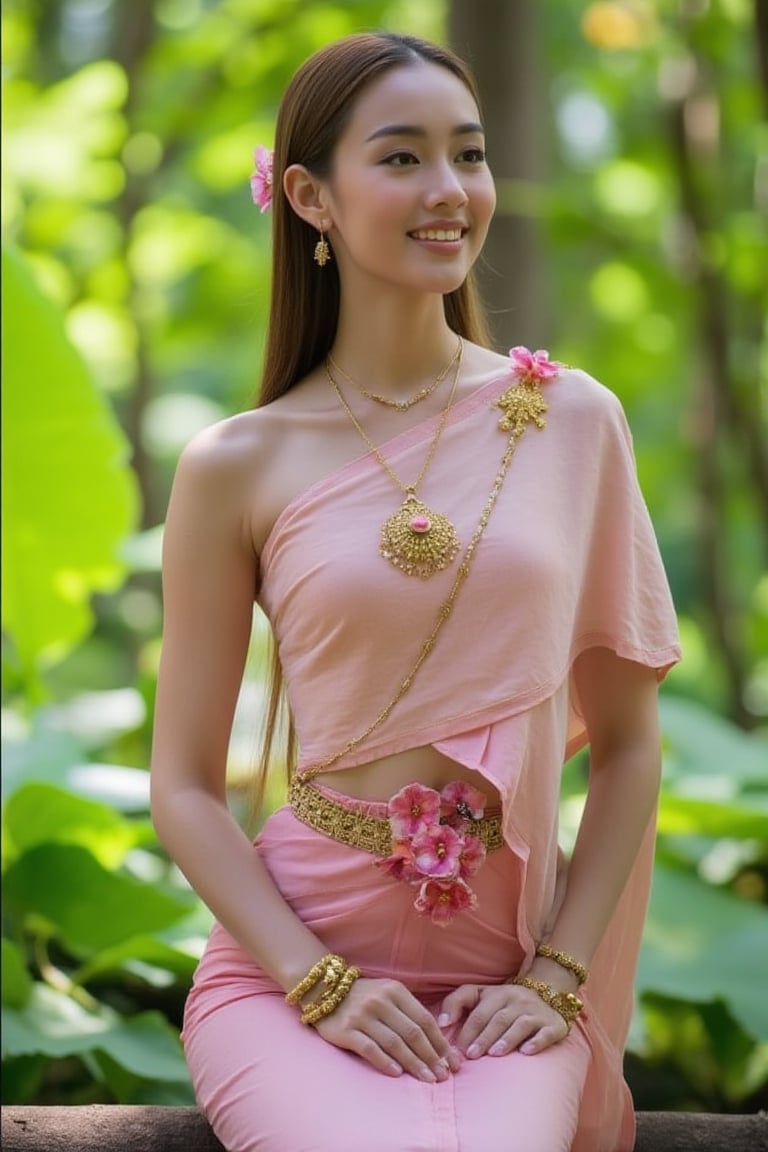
(464, 587)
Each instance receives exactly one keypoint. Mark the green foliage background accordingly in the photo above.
(135, 282)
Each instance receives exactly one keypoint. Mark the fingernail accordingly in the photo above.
(427, 1075)
(443, 1020)
(527, 1049)
(395, 1069)
(454, 1060)
(473, 1051)
(497, 1049)
(442, 1071)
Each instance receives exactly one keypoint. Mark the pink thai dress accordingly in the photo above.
(568, 561)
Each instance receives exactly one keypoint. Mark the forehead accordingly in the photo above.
(420, 93)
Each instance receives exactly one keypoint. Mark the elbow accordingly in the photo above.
(161, 805)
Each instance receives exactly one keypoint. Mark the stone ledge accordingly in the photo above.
(150, 1128)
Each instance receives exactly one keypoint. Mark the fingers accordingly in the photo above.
(526, 1033)
(384, 1024)
(457, 1003)
(508, 1019)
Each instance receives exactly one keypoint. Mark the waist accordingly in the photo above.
(377, 780)
(364, 824)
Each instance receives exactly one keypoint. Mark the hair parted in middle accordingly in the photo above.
(313, 115)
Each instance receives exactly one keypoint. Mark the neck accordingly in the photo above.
(394, 346)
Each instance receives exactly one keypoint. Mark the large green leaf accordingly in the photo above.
(88, 907)
(704, 750)
(146, 957)
(704, 944)
(49, 754)
(681, 815)
(40, 813)
(56, 1025)
(68, 494)
(16, 983)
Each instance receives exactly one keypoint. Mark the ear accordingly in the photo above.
(306, 195)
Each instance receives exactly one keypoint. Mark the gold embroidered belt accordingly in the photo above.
(359, 830)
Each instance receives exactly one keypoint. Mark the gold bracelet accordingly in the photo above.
(566, 1003)
(322, 1008)
(570, 963)
(330, 968)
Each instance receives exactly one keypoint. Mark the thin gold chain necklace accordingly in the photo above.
(400, 405)
(415, 540)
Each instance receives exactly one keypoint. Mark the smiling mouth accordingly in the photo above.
(437, 234)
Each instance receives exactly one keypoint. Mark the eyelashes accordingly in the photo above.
(404, 159)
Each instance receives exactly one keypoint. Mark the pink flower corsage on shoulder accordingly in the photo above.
(261, 178)
(533, 366)
(523, 403)
(434, 848)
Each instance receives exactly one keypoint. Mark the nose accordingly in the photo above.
(446, 188)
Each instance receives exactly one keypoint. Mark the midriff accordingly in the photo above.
(378, 780)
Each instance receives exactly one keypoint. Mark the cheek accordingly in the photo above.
(486, 200)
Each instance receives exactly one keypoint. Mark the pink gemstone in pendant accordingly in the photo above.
(421, 524)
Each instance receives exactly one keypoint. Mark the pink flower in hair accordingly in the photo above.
(413, 809)
(459, 802)
(436, 852)
(261, 179)
(533, 366)
(441, 901)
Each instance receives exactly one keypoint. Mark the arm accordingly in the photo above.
(210, 572)
(619, 704)
(209, 575)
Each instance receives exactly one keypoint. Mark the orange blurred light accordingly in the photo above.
(612, 26)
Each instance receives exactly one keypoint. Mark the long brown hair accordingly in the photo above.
(304, 308)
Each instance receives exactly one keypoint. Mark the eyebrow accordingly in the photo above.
(416, 130)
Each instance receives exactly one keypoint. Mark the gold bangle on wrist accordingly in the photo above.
(570, 963)
(329, 968)
(566, 1003)
(323, 1007)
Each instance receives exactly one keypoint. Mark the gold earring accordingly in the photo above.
(322, 250)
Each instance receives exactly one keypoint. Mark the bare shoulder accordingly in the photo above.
(247, 468)
(226, 451)
(219, 477)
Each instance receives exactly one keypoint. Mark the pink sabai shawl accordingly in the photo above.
(568, 561)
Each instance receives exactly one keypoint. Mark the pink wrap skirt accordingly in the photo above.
(268, 1083)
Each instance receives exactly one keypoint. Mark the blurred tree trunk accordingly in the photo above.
(134, 33)
(728, 432)
(498, 39)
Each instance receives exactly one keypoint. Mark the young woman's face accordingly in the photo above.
(411, 195)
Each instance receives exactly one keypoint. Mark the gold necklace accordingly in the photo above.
(400, 405)
(416, 540)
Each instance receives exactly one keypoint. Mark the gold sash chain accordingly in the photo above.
(522, 404)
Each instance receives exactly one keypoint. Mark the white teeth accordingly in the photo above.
(438, 234)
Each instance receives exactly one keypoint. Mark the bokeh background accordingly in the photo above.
(630, 145)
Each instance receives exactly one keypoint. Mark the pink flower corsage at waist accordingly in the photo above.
(434, 848)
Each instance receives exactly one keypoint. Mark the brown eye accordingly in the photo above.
(400, 159)
(473, 156)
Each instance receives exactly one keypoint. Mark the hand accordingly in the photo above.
(501, 1018)
(384, 1023)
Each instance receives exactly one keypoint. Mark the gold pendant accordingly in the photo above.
(418, 541)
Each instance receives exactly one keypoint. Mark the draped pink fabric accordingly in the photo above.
(569, 561)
